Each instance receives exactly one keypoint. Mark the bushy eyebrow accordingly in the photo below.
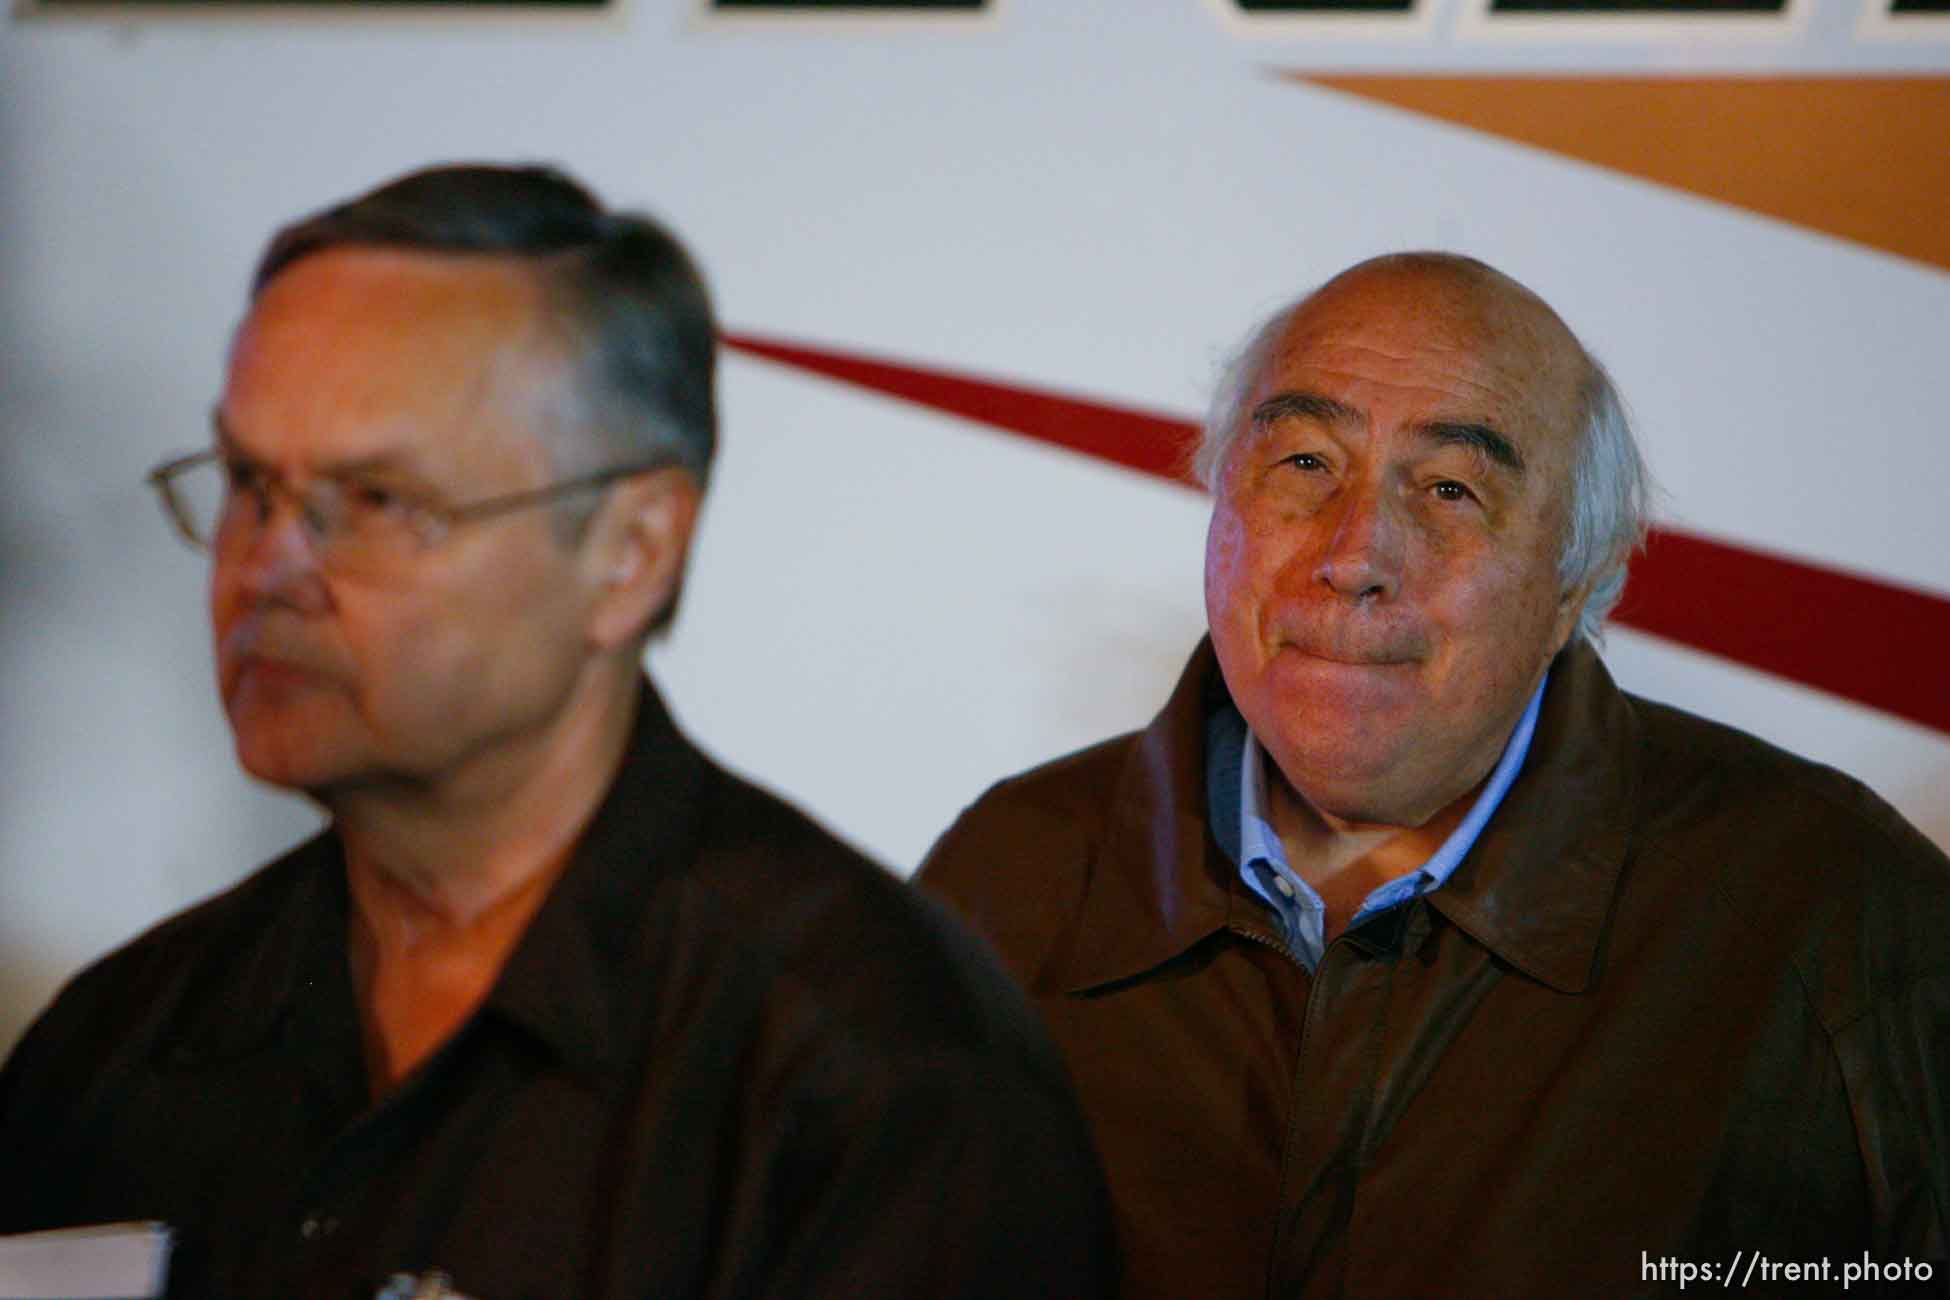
(1479, 438)
(1305, 406)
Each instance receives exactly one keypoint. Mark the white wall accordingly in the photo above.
(890, 607)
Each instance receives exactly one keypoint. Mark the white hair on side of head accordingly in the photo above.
(1228, 406)
(1611, 493)
(1611, 488)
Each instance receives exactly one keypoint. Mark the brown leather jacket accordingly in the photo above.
(1686, 1002)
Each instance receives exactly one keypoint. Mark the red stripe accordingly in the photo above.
(1150, 444)
(1865, 640)
(1862, 639)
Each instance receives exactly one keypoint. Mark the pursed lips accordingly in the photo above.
(1352, 651)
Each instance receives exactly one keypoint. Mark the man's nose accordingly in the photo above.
(1363, 555)
(276, 557)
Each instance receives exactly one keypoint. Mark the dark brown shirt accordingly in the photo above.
(728, 1058)
(1687, 999)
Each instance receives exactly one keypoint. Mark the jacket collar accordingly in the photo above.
(574, 980)
(1535, 889)
(1161, 884)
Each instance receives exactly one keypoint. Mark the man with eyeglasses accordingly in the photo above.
(554, 1007)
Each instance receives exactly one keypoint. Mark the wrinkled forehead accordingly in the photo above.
(1470, 336)
(361, 346)
(452, 309)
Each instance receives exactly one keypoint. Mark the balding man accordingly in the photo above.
(1403, 954)
(555, 1007)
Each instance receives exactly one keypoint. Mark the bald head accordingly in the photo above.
(1452, 302)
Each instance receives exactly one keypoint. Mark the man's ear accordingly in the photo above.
(636, 549)
(1570, 609)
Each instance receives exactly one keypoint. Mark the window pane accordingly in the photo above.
(1638, 6)
(1324, 6)
(790, 6)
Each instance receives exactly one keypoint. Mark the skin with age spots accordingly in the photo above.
(1381, 567)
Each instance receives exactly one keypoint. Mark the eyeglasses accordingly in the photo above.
(354, 524)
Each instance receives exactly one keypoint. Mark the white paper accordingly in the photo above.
(107, 1261)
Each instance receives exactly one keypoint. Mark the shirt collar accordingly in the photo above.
(576, 977)
(581, 972)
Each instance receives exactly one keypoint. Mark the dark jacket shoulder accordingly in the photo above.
(865, 960)
(197, 947)
(1018, 862)
(1704, 776)
(170, 990)
(1798, 853)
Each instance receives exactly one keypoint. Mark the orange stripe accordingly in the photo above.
(1864, 158)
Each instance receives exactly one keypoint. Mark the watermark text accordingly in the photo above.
(1756, 1268)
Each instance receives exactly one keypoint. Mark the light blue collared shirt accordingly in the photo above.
(1237, 805)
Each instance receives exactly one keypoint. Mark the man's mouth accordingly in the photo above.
(1354, 652)
(274, 671)
(248, 652)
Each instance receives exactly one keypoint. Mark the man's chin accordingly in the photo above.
(1347, 776)
(1358, 719)
(1360, 804)
(302, 766)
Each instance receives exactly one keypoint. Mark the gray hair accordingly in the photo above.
(625, 296)
(1611, 487)
(1611, 496)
